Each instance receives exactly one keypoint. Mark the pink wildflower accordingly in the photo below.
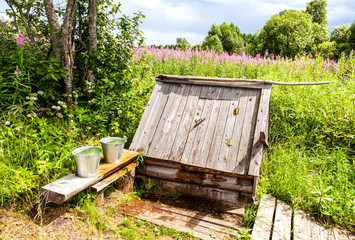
(20, 41)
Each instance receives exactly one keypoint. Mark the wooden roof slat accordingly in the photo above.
(174, 119)
(202, 128)
(227, 134)
(218, 135)
(261, 125)
(238, 129)
(193, 130)
(205, 145)
(165, 119)
(153, 119)
(185, 124)
(248, 127)
(137, 139)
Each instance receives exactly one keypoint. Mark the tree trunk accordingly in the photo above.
(61, 42)
(90, 76)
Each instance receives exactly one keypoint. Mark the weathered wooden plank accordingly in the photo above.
(204, 179)
(174, 119)
(218, 84)
(70, 185)
(194, 128)
(196, 190)
(206, 144)
(264, 218)
(113, 177)
(217, 135)
(227, 138)
(199, 225)
(246, 138)
(301, 225)
(282, 223)
(164, 123)
(342, 235)
(195, 158)
(154, 99)
(172, 164)
(152, 123)
(261, 126)
(186, 124)
(237, 130)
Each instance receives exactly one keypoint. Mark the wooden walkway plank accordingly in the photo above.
(227, 137)
(263, 221)
(282, 223)
(70, 185)
(198, 224)
(164, 123)
(245, 141)
(302, 226)
(168, 138)
(261, 126)
(186, 124)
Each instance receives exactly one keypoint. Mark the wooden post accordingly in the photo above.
(100, 198)
(126, 184)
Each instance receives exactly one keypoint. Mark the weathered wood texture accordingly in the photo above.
(193, 79)
(215, 127)
(122, 173)
(197, 223)
(274, 221)
(196, 190)
(282, 222)
(195, 177)
(264, 219)
(70, 185)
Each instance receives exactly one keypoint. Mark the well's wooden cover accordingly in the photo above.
(220, 125)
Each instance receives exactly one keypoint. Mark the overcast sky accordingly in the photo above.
(167, 20)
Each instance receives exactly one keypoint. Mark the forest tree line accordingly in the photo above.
(289, 33)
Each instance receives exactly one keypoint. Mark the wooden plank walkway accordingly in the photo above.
(199, 223)
(274, 220)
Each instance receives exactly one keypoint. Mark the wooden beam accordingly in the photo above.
(166, 78)
(204, 179)
(113, 177)
(172, 164)
(195, 190)
(70, 185)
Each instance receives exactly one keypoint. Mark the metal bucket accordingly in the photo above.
(113, 147)
(87, 161)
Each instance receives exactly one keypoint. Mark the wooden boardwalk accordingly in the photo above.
(275, 221)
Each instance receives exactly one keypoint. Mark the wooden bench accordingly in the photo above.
(275, 220)
(68, 186)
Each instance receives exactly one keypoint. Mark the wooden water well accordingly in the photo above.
(205, 136)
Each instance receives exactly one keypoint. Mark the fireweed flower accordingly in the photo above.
(17, 73)
(20, 41)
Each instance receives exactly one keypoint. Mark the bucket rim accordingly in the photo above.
(78, 149)
(105, 139)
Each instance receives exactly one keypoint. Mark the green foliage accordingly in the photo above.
(352, 36)
(289, 34)
(226, 36)
(182, 43)
(317, 9)
(213, 43)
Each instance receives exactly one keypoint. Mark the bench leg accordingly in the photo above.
(100, 198)
(126, 184)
